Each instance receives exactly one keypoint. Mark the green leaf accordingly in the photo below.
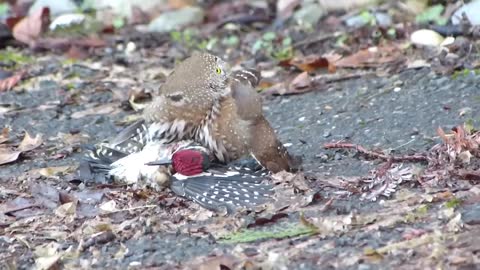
(469, 126)
(453, 203)
(211, 43)
(10, 55)
(287, 41)
(118, 23)
(368, 17)
(269, 36)
(341, 40)
(231, 41)
(283, 54)
(392, 32)
(422, 209)
(257, 46)
(432, 14)
(176, 36)
(4, 7)
(292, 230)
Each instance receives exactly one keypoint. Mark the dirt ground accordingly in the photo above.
(367, 111)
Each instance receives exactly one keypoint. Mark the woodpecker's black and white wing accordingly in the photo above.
(98, 158)
(214, 191)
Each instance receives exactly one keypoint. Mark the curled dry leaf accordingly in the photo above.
(301, 83)
(370, 57)
(54, 171)
(66, 209)
(465, 156)
(109, 206)
(47, 255)
(29, 143)
(4, 135)
(8, 83)
(29, 29)
(218, 262)
(310, 63)
(7, 156)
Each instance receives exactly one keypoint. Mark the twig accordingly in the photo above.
(23, 241)
(132, 208)
(329, 78)
(19, 208)
(362, 150)
(309, 41)
(416, 242)
(98, 239)
(382, 171)
(243, 19)
(469, 175)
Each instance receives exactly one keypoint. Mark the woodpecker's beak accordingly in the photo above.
(159, 162)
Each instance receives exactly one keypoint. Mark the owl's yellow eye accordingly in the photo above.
(218, 70)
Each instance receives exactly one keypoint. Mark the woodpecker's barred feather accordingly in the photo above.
(247, 76)
(136, 133)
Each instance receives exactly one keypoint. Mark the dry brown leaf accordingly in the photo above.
(310, 63)
(66, 209)
(332, 58)
(300, 83)
(370, 57)
(7, 156)
(219, 262)
(73, 139)
(469, 175)
(442, 134)
(276, 89)
(8, 83)
(54, 171)
(109, 206)
(29, 29)
(47, 255)
(28, 143)
(4, 135)
(465, 156)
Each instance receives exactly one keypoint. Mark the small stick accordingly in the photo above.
(362, 150)
(19, 208)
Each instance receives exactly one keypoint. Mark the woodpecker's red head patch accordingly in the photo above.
(189, 162)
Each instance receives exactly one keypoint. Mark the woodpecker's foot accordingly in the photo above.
(159, 180)
(246, 164)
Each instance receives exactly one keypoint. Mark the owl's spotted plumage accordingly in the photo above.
(191, 90)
